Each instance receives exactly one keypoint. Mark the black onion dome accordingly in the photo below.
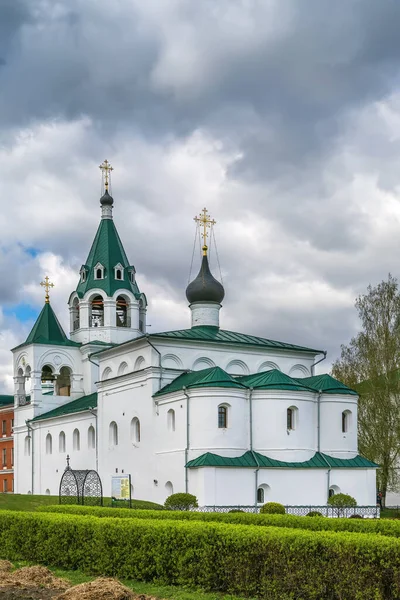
(205, 288)
(106, 199)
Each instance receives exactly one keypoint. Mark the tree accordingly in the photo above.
(370, 364)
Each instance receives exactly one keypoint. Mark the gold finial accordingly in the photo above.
(106, 169)
(204, 220)
(47, 285)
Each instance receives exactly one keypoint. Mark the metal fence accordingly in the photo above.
(326, 510)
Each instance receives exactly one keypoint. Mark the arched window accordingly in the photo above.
(97, 312)
(47, 492)
(99, 271)
(135, 430)
(139, 363)
(76, 440)
(291, 418)
(21, 393)
(122, 369)
(61, 442)
(142, 316)
(63, 382)
(334, 489)
(27, 445)
(169, 488)
(113, 434)
(222, 417)
(106, 374)
(262, 493)
(91, 437)
(346, 421)
(49, 444)
(122, 312)
(75, 315)
(171, 419)
(47, 379)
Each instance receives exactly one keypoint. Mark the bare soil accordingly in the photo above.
(39, 583)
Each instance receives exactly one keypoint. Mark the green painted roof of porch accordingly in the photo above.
(5, 400)
(47, 330)
(326, 384)
(75, 406)
(275, 380)
(254, 460)
(211, 377)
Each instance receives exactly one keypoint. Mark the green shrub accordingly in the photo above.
(273, 508)
(236, 510)
(181, 502)
(137, 504)
(314, 513)
(264, 562)
(342, 501)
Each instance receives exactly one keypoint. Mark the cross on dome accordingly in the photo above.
(204, 220)
(47, 285)
(106, 169)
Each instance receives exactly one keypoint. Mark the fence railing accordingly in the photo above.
(326, 510)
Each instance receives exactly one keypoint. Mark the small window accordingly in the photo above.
(99, 271)
(47, 492)
(76, 440)
(61, 442)
(135, 430)
(132, 276)
(5, 485)
(83, 276)
(118, 274)
(113, 433)
(49, 444)
(4, 453)
(91, 437)
(346, 421)
(291, 418)
(4, 427)
(260, 496)
(99, 274)
(222, 417)
(27, 446)
(171, 419)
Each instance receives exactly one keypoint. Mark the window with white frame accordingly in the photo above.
(91, 437)
(135, 430)
(222, 416)
(61, 442)
(291, 418)
(99, 271)
(76, 440)
(119, 272)
(27, 445)
(346, 421)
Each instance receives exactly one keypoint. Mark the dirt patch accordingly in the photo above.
(5, 566)
(102, 588)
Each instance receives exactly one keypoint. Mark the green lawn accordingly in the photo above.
(168, 592)
(27, 502)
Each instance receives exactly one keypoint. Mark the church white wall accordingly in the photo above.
(270, 433)
(48, 468)
(333, 440)
(233, 486)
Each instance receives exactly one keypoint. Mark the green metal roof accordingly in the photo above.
(273, 379)
(5, 400)
(107, 249)
(207, 333)
(326, 384)
(47, 330)
(79, 405)
(254, 459)
(211, 377)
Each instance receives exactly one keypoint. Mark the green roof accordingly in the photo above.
(107, 249)
(326, 384)
(47, 330)
(5, 400)
(254, 459)
(208, 333)
(76, 406)
(273, 379)
(211, 377)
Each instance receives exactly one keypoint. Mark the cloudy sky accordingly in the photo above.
(281, 116)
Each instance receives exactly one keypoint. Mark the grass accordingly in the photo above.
(27, 502)
(167, 592)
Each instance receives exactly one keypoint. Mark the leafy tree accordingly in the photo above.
(370, 364)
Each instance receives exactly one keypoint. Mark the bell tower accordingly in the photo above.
(107, 305)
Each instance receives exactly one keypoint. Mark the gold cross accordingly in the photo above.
(47, 285)
(106, 169)
(205, 221)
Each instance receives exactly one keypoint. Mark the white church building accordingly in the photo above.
(234, 419)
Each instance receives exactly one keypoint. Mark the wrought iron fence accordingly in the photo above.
(326, 510)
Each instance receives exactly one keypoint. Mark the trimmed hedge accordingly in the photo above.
(381, 526)
(266, 562)
(137, 504)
